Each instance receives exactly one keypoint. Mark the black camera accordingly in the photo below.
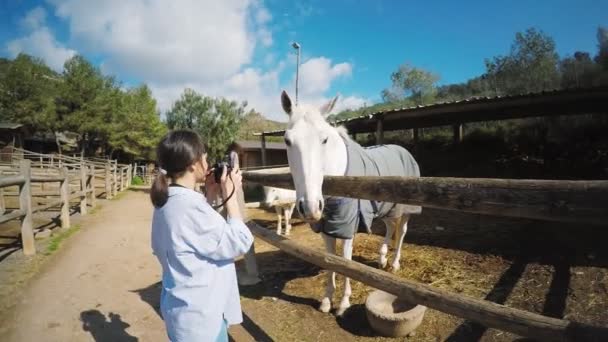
(218, 168)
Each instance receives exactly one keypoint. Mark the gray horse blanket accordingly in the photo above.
(342, 216)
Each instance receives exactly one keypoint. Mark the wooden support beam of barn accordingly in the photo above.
(487, 313)
(565, 201)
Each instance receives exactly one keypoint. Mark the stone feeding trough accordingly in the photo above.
(391, 316)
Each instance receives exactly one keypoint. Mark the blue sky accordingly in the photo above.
(241, 48)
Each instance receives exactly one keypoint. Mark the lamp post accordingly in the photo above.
(296, 46)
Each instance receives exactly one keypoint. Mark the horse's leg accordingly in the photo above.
(288, 213)
(390, 227)
(278, 210)
(401, 230)
(330, 287)
(347, 250)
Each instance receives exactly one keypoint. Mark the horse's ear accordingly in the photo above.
(329, 106)
(286, 102)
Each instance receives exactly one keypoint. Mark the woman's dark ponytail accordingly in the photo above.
(174, 154)
(160, 190)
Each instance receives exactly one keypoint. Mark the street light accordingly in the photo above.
(296, 46)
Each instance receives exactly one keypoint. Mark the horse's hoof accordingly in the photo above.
(395, 267)
(325, 306)
(341, 310)
(383, 262)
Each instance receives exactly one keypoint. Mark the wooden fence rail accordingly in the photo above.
(487, 313)
(77, 181)
(570, 201)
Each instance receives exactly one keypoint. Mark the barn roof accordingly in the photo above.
(475, 109)
(10, 125)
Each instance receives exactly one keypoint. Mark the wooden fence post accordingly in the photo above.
(93, 198)
(416, 140)
(108, 181)
(129, 175)
(2, 202)
(25, 205)
(458, 133)
(83, 188)
(115, 179)
(379, 131)
(263, 149)
(65, 197)
(122, 178)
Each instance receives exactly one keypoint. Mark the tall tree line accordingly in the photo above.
(106, 116)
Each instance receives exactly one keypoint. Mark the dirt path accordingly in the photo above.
(98, 286)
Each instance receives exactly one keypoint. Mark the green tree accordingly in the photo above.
(411, 82)
(531, 66)
(579, 71)
(86, 100)
(602, 45)
(216, 120)
(27, 89)
(136, 127)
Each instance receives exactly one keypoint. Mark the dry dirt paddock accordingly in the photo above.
(102, 284)
(554, 269)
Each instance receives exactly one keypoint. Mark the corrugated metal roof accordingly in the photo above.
(469, 101)
(10, 125)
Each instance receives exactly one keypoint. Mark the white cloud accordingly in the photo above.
(317, 74)
(39, 41)
(206, 45)
(350, 102)
(168, 41)
(34, 18)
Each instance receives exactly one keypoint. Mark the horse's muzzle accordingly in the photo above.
(310, 211)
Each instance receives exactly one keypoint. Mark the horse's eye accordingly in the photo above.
(324, 141)
(287, 142)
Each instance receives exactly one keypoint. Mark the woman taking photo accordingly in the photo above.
(194, 244)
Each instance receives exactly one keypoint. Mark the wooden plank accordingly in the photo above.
(25, 206)
(379, 131)
(458, 133)
(487, 313)
(11, 181)
(115, 179)
(108, 181)
(13, 215)
(93, 198)
(47, 206)
(565, 201)
(83, 189)
(2, 202)
(263, 150)
(65, 197)
(46, 179)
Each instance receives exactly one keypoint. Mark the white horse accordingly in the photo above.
(316, 149)
(284, 202)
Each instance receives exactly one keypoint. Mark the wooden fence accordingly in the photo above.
(581, 201)
(61, 179)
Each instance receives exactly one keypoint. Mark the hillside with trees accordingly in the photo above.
(532, 65)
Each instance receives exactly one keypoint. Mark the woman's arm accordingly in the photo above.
(220, 239)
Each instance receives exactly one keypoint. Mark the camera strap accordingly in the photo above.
(227, 198)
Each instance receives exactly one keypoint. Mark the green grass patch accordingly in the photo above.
(57, 239)
(137, 181)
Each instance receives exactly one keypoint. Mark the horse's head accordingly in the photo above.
(270, 195)
(314, 149)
